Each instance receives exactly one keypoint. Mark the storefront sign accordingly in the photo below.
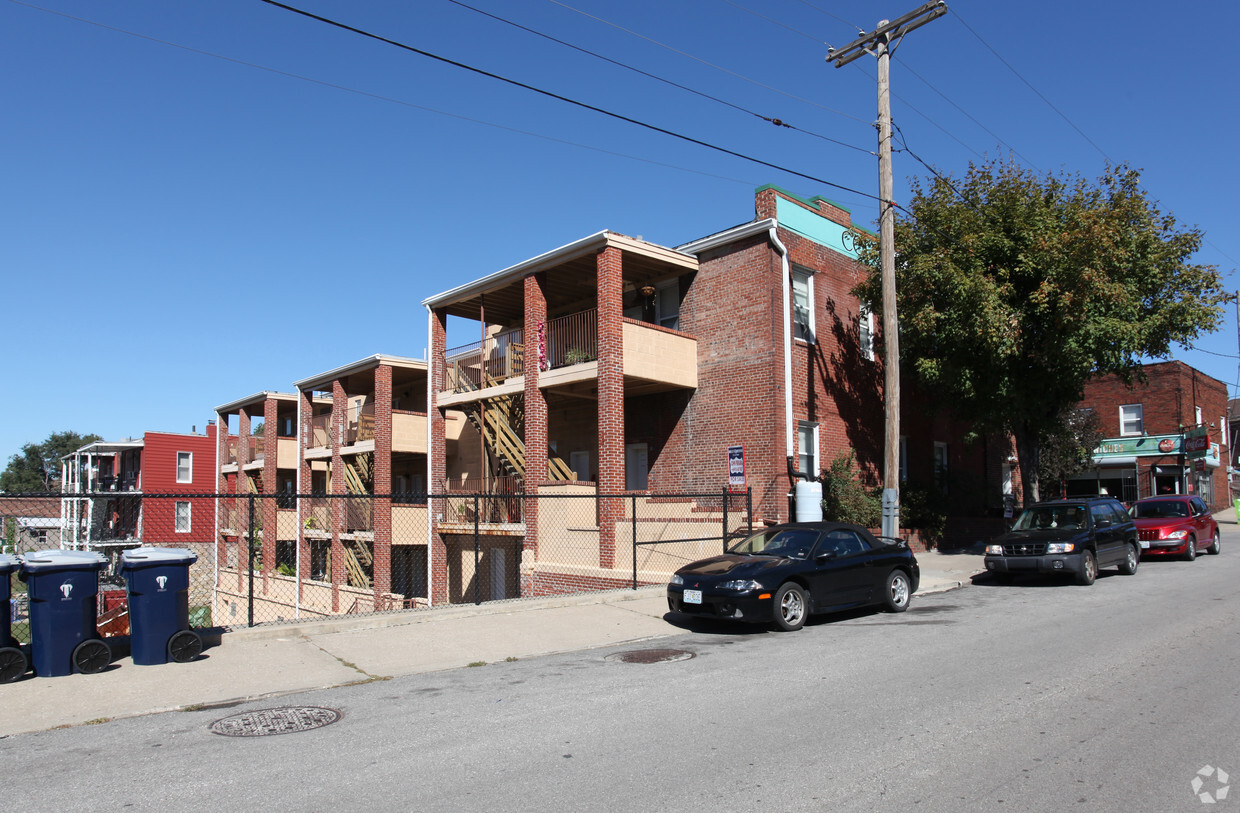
(1146, 445)
(1196, 442)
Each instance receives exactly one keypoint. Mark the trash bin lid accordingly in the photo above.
(62, 560)
(9, 563)
(149, 557)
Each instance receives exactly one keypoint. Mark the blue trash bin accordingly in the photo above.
(13, 663)
(63, 587)
(158, 583)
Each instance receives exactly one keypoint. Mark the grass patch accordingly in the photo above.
(477, 663)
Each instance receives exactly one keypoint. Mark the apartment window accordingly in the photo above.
(940, 465)
(1131, 420)
(667, 305)
(865, 332)
(185, 467)
(182, 517)
(803, 305)
(807, 448)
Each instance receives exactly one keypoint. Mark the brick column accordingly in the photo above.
(610, 400)
(304, 478)
(536, 430)
(241, 488)
(340, 408)
(381, 508)
(271, 454)
(437, 552)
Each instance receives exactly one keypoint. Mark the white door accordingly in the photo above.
(636, 467)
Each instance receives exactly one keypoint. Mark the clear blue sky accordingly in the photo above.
(202, 200)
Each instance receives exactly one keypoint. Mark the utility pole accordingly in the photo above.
(881, 42)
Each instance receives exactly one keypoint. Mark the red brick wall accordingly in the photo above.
(382, 507)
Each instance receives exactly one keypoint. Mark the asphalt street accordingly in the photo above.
(1033, 697)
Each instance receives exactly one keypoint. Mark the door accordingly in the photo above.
(499, 574)
(579, 462)
(636, 467)
(1108, 537)
(846, 577)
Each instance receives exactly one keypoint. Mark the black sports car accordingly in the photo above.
(784, 573)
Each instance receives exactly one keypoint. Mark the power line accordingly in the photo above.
(1030, 85)
(770, 119)
(558, 97)
(709, 64)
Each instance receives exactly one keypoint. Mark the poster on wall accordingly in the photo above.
(736, 467)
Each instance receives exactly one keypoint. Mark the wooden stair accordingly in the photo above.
(502, 414)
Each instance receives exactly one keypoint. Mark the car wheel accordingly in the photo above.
(791, 607)
(1190, 549)
(1131, 560)
(1089, 568)
(1214, 548)
(899, 591)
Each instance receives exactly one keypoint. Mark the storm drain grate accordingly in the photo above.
(651, 656)
(268, 722)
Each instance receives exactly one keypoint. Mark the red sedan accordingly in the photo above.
(1175, 526)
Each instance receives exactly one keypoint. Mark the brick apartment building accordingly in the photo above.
(120, 494)
(613, 366)
(1166, 435)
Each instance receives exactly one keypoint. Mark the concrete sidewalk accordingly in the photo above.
(274, 660)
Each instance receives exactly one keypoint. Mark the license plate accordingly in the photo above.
(693, 597)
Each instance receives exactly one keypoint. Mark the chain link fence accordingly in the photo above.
(282, 557)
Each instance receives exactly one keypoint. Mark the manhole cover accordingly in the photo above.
(651, 656)
(267, 722)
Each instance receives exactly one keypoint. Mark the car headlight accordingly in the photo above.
(740, 585)
(1060, 547)
(676, 579)
(994, 550)
(1176, 535)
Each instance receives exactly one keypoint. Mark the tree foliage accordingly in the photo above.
(1070, 449)
(1015, 289)
(36, 469)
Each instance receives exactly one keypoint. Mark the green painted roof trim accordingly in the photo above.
(810, 202)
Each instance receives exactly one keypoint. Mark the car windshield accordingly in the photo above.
(792, 543)
(1047, 517)
(1160, 509)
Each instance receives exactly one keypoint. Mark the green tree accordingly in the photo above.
(37, 468)
(1069, 450)
(1014, 290)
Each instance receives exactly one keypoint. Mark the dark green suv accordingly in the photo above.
(1073, 536)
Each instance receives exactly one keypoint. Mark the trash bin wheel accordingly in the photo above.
(13, 664)
(91, 656)
(184, 646)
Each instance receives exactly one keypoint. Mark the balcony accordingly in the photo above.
(483, 364)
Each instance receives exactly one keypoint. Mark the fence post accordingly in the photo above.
(749, 509)
(633, 512)
(477, 575)
(725, 518)
(250, 543)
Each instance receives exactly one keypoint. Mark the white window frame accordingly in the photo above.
(807, 448)
(189, 467)
(865, 332)
(189, 516)
(1197, 414)
(807, 330)
(1139, 419)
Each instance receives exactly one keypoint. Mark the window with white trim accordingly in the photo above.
(1197, 415)
(807, 448)
(182, 516)
(185, 467)
(1131, 419)
(803, 305)
(667, 304)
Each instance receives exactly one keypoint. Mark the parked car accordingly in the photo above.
(1072, 537)
(1176, 526)
(785, 573)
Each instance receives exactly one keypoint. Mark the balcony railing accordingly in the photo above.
(572, 339)
(492, 501)
(320, 431)
(485, 363)
(363, 428)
